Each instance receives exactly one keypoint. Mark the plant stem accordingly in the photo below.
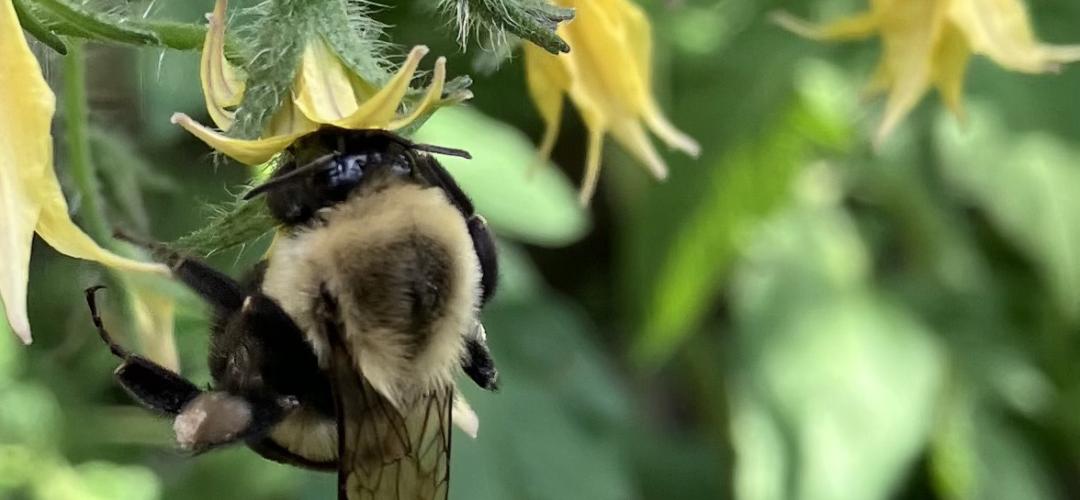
(80, 163)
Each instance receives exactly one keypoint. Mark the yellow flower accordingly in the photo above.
(929, 43)
(324, 92)
(30, 197)
(607, 77)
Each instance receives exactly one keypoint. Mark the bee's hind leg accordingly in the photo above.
(149, 383)
(203, 419)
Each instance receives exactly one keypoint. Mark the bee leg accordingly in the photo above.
(218, 418)
(149, 383)
(478, 363)
(216, 288)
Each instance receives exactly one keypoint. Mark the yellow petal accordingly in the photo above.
(25, 155)
(547, 80)
(380, 109)
(667, 132)
(57, 229)
(222, 86)
(593, 153)
(431, 99)
(153, 313)
(323, 90)
(951, 58)
(631, 135)
(248, 152)
(288, 119)
(1001, 30)
(596, 126)
(856, 27)
(908, 34)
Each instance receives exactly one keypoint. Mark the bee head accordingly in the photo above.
(325, 167)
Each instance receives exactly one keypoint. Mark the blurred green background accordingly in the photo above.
(793, 315)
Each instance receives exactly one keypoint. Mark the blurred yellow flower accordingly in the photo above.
(324, 92)
(929, 43)
(607, 77)
(31, 200)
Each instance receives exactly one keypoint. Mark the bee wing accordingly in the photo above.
(384, 453)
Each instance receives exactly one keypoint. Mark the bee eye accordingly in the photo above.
(340, 176)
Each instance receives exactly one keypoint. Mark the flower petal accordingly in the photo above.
(951, 58)
(380, 109)
(222, 85)
(547, 80)
(1001, 30)
(25, 155)
(856, 27)
(55, 226)
(153, 312)
(908, 34)
(248, 152)
(288, 119)
(431, 99)
(631, 135)
(323, 90)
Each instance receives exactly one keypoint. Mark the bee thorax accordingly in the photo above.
(400, 267)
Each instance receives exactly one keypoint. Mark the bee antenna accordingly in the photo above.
(289, 177)
(431, 148)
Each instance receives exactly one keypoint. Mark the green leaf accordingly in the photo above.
(1027, 187)
(976, 454)
(551, 432)
(746, 184)
(834, 384)
(538, 207)
(29, 21)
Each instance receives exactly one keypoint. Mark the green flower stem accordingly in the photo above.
(80, 164)
(60, 17)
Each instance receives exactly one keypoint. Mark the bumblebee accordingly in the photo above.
(339, 351)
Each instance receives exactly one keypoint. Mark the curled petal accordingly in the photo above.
(431, 99)
(856, 27)
(380, 109)
(1001, 29)
(249, 152)
(547, 79)
(673, 137)
(632, 136)
(222, 85)
(57, 229)
(323, 90)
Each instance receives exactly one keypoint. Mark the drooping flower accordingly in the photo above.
(31, 200)
(929, 43)
(607, 76)
(324, 92)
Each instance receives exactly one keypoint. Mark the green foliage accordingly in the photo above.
(795, 315)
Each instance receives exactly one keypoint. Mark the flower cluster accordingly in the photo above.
(607, 76)
(928, 43)
(324, 92)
